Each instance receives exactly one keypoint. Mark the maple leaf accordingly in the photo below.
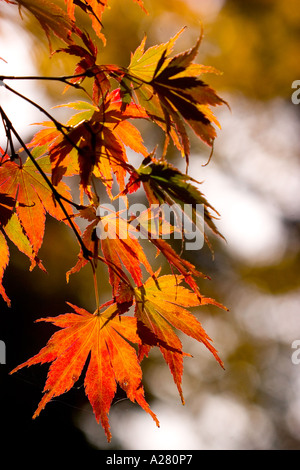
(106, 347)
(171, 91)
(11, 228)
(4, 259)
(25, 198)
(106, 338)
(120, 247)
(7, 205)
(157, 314)
(163, 183)
(95, 9)
(25, 185)
(51, 17)
(14, 231)
(187, 269)
(94, 142)
(153, 226)
(118, 240)
(87, 66)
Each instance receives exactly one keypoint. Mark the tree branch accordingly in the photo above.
(86, 253)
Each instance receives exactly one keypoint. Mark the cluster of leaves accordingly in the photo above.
(156, 87)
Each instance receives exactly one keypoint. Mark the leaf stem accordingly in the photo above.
(95, 288)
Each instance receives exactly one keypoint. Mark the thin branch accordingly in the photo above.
(60, 127)
(86, 253)
(96, 287)
(64, 78)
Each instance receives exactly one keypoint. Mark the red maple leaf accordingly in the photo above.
(112, 361)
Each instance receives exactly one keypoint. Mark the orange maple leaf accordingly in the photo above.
(25, 198)
(160, 306)
(113, 360)
(95, 143)
(14, 231)
(118, 240)
(7, 204)
(121, 247)
(152, 222)
(95, 9)
(25, 185)
(4, 259)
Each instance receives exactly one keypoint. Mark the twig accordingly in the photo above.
(86, 253)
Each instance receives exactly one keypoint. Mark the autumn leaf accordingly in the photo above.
(184, 267)
(163, 183)
(24, 200)
(95, 142)
(106, 339)
(25, 185)
(7, 204)
(158, 314)
(105, 348)
(94, 9)
(121, 248)
(51, 17)
(11, 229)
(4, 260)
(171, 91)
(153, 225)
(117, 239)
(87, 66)
(14, 231)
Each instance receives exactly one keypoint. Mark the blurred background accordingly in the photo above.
(253, 180)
